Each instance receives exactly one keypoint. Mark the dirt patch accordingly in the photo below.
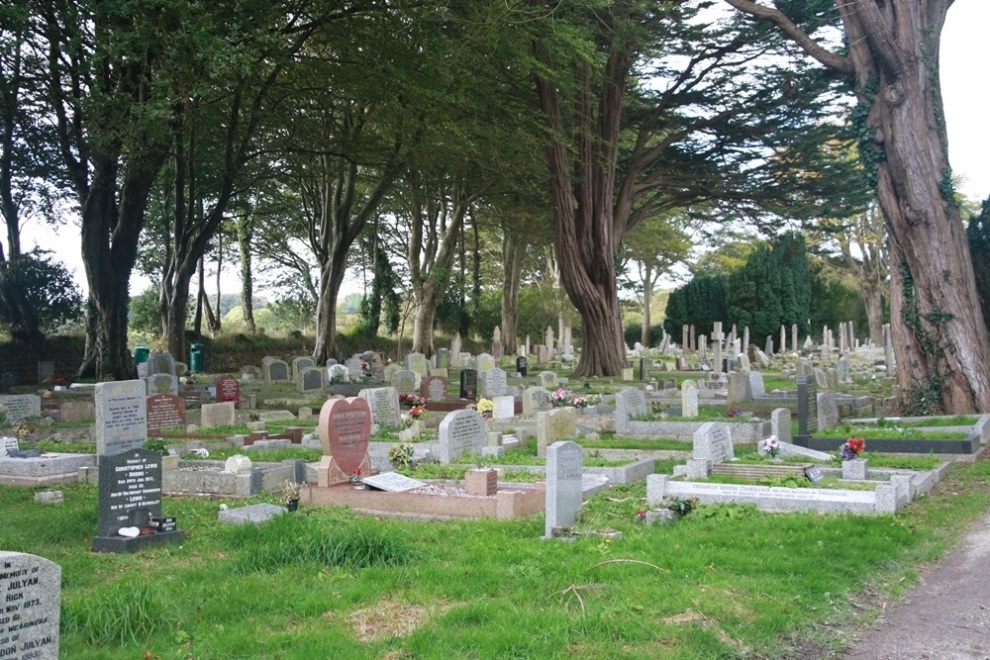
(387, 619)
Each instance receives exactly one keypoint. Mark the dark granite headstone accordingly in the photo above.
(469, 384)
(130, 495)
(8, 381)
(644, 369)
(522, 365)
(807, 405)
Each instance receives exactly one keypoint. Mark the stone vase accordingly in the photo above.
(854, 469)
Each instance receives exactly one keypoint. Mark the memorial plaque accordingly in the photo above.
(345, 425)
(30, 603)
(460, 431)
(228, 389)
(433, 388)
(165, 411)
(814, 474)
(548, 379)
(8, 445)
(130, 490)
(393, 482)
(121, 416)
(469, 384)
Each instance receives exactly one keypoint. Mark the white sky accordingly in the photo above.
(965, 50)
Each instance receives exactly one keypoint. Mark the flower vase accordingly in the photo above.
(854, 469)
(292, 505)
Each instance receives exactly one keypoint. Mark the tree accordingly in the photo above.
(47, 287)
(701, 302)
(978, 235)
(941, 344)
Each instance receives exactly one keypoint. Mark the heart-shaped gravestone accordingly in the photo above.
(345, 425)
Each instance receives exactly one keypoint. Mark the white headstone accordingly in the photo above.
(460, 431)
(384, 404)
(121, 416)
(564, 498)
(31, 596)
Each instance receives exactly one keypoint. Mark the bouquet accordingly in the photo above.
(852, 448)
(771, 446)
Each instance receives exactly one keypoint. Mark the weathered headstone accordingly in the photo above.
(384, 405)
(713, 442)
(828, 411)
(486, 362)
(404, 381)
(299, 365)
(338, 373)
(548, 379)
(807, 405)
(644, 369)
(417, 362)
(780, 424)
(443, 358)
(30, 604)
(276, 371)
(311, 380)
(162, 383)
(564, 496)
(689, 402)
(165, 411)
(469, 384)
(495, 383)
(8, 444)
(630, 404)
(21, 406)
(554, 425)
(682, 363)
(344, 427)
(121, 416)
(756, 388)
(536, 399)
(433, 388)
(228, 389)
(460, 431)
(161, 363)
(217, 414)
(355, 370)
(505, 407)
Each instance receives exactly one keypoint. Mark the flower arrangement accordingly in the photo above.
(23, 430)
(771, 446)
(852, 448)
(734, 413)
(417, 411)
(291, 490)
(412, 401)
(401, 454)
(366, 370)
(356, 476)
(559, 397)
(485, 407)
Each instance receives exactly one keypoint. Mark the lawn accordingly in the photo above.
(725, 582)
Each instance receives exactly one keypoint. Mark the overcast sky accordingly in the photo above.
(965, 50)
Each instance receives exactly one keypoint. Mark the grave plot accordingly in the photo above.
(906, 436)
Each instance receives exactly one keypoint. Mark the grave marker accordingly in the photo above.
(384, 405)
(404, 381)
(564, 496)
(345, 425)
(217, 414)
(433, 388)
(276, 371)
(505, 407)
(536, 399)
(460, 431)
(30, 604)
(165, 411)
(469, 384)
(807, 406)
(689, 402)
(121, 416)
(554, 425)
(828, 411)
(522, 365)
(495, 383)
(228, 389)
(20, 406)
(311, 380)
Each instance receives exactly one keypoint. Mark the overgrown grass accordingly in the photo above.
(725, 582)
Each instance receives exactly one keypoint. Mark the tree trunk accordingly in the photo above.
(647, 304)
(513, 250)
(245, 232)
(426, 309)
(331, 277)
(873, 301)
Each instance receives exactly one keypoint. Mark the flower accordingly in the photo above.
(356, 476)
(559, 397)
(412, 400)
(417, 411)
(485, 407)
(23, 430)
(771, 446)
(852, 448)
(290, 490)
(401, 454)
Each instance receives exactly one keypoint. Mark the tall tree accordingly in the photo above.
(941, 344)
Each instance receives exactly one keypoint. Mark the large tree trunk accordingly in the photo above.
(426, 310)
(513, 250)
(331, 277)
(648, 277)
(873, 301)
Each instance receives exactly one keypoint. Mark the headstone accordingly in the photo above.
(807, 405)
(162, 383)
(820, 379)
(384, 405)
(756, 388)
(8, 445)
(455, 350)
(564, 496)
(46, 371)
(522, 365)
(682, 364)
(276, 371)
(828, 411)
(738, 387)
(644, 369)
(713, 442)
(355, 370)
(311, 380)
(216, 414)
(8, 381)
(469, 384)
(433, 388)
(161, 363)
(689, 402)
(344, 427)
(630, 404)
(130, 495)
(31, 596)
(495, 383)
(843, 369)
(486, 362)
(299, 365)
(554, 425)
(338, 373)
(404, 381)
(417, 362)
(548, 379)
(165, 411)
(460, 431)
(505, 407)
(237, 464)
(228, 389)
(121, 416)
(780, 424)
(22, 406)
(536, 399)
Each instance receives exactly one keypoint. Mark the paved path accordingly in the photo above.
(947, 614)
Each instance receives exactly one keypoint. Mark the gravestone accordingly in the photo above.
(548, 379)
(433, 389)
(389, 371)
(630, 404)
(807, 405)
(46, 371)
(228, 389)
(756, 388)
(299, 365)
(30, 604)
(121, 416)
(495, 383)
(442, 358)
(469, 384)
(22, 406)
(165, 411)
(405, 381)
(384, 405)
(564, 496)
(828, 411)
(354, 369)
(682, 363)
(460, 431)
(689, 402)
(780, 424)
(160, 363)
(217, 414)
(276, 371)
(644, 369)
(713, 443)
(417, 362)
(162, 383)
(554, 425)
(130, 495)
(505, 407)
(8, 381)
(455, 351)
(8, 445)
(820, 381)
(522, 365)
(737, 387)
(486, 362)
(843, 369)
(338, 373)
(344, 427)
(311, 380)
(536, 399)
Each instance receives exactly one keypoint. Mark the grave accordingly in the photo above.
(433, 389)
(522, 365)
(217, 414)
(299, 365)
(505, 407)
(162, 383)
(416, 362)
(384, 405)
(311, 380)
(345, 425)
(460, 431)
(564, 494)
(20, 406)
(495, 383)
(228, 389)
(630, 403)
(31, 594)
(121, 416)
(276, 370)
(404, 381)
(554, 425)
(535, 400)
(469, 384)
(160, 363)
(130, 496)
(165, 411)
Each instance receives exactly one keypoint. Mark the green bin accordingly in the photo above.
(196, 354)
(141, 354)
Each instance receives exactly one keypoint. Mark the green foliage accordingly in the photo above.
(384, 298)
(143, 315)
(117, 614)
(978, 234)
(49, 290)
(700, 302)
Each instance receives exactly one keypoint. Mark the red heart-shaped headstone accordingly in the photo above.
(345, 425)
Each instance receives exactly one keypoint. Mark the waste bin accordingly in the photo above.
(141, 360)
(196, 355)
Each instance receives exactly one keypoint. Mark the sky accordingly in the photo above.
(965, 50)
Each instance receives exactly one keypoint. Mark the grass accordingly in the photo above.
(328, 583)
(611, 441)
(871, 432)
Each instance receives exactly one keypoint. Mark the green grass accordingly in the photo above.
(957, 420)
(265, 455)
(871, 432)
(725, 582)
(611, 441)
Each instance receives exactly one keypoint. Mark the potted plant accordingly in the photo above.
(290, 494)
